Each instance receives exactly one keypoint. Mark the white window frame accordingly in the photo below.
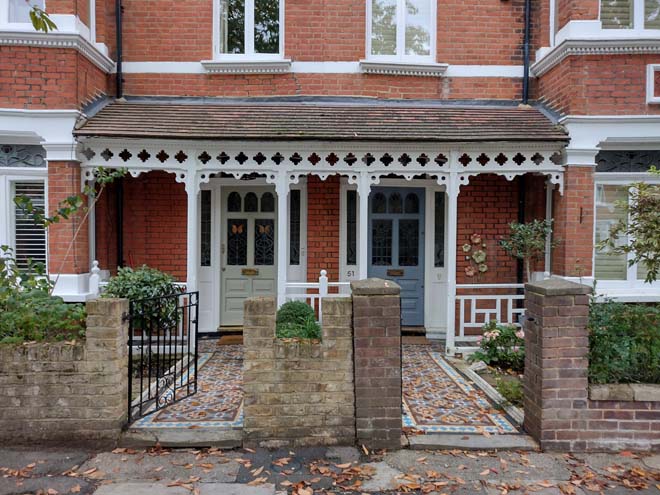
(14, 26)
(401, 36)
(7, 207)
(631, 283)
(638, 19)
(249, 54)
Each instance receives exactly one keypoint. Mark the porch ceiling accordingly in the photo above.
(323, 122)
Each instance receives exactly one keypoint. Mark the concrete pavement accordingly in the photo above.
(322, 470)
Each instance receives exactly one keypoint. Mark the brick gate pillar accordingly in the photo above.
(377, 347)
(556, 361)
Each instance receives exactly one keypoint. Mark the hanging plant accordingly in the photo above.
(467, 248)
(483, 268)
(475, 238)
(470, 271)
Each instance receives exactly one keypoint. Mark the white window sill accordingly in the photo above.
(589, 38)
(403, 68)
(247, 66)
(70, 33)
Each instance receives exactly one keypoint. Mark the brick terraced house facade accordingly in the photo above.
(267, 140)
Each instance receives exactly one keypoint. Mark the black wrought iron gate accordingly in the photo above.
(162, 346)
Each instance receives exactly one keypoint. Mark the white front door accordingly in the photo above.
(248, 248)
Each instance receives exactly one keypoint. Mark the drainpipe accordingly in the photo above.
(522, 196)
(120, 75)
(528, 28)
(120, 222)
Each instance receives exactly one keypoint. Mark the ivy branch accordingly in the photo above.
(40, 18)
(71, 206)
(639, 227)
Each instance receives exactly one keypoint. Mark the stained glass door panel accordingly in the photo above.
(396, 245)
(248, 250)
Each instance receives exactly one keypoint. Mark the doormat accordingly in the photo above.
(218, 402)
(438, 399)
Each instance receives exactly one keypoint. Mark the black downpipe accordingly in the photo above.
(522, 197)
(528, 28)
(120, 74)
(120, 222)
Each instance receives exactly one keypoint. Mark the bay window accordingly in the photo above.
(250, 28)
(613, 270)
(630, 14)
(18, 11)
(401, 30)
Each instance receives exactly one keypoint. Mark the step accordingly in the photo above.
(223, 438)
(449, 441)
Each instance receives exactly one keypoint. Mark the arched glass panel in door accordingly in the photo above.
(395, 203)
(234, 202)
(251, 202)
(267, 203)
(379, 203)
(412, 203)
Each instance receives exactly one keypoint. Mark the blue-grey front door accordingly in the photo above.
(396, 245)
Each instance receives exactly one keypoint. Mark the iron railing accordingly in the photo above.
(162, 348)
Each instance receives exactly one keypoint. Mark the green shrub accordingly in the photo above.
(28, 312)
(511, 390)
(624, 343)
(502, 346)
(296, 319)
(143, 284)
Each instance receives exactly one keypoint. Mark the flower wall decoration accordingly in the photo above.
(476, 255)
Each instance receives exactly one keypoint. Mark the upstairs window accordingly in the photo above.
(630, 14)
(18, 11)
(250, 28)
(401, 30)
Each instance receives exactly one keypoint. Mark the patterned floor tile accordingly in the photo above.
(219, 398)
(438, 399)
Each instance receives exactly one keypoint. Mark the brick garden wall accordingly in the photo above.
(298, 393)
(560, 412)
(63, 392)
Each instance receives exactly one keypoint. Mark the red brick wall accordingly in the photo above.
(322, 227)
(47, 78)
(486, 207)
(598, 85)
(576, 10)
(65, 256)
(574, 223)
(155, 225)
(378, 86)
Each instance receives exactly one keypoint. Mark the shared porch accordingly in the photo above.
(267, 216)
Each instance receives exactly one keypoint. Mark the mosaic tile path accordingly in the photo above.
(438, 399)
(219, 399)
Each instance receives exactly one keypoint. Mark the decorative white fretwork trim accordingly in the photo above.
(247, 67)
(402, 68)
(569, 48)
(59, 40)
(323, 159)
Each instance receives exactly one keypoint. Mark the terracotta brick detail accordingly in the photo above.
(56, 392)
(574, 223)
(48, 78)
(63, 256)
(377, 344)
(322, 227)
(155, 224)
(298, 393)
(558, 411)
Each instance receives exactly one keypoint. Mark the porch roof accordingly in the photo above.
(412, 122)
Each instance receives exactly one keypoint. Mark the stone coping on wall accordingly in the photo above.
(625, 392)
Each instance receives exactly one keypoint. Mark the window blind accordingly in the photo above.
(29, 237)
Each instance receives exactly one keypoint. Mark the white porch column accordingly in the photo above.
(364, 188)
(282, 190)
(192, 189)
(453, 189)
